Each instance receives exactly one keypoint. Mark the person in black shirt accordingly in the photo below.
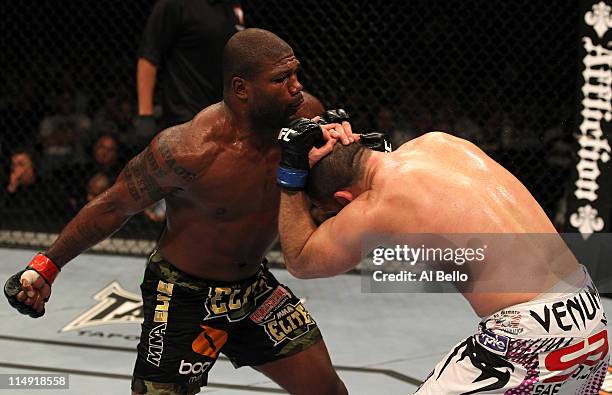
(185, 38)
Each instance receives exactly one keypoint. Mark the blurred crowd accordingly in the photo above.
(67, 147)
(538, 149)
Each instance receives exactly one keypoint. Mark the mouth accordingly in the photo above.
(297, 103)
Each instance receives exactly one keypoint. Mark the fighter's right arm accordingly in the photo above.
(150, 176)
(171, 162)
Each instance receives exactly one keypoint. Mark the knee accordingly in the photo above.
(334, 386)
(341, 388)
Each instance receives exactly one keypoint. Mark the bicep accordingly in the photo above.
(149, 177)
(137, 188)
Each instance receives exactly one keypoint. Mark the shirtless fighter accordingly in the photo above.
(543, 330)
(205, 288)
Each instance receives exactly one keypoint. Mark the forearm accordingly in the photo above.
(95, 222)
(296, 226)
(146, 74)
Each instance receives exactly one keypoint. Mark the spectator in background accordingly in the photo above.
(386, 120)
(451, 116)
(498, 132)
(29, 203)
(23, 173)
(22, 107)
(63, 133)
(104, 158)
(185, 38)
(97, 184)
(116, 116)
(358, 107)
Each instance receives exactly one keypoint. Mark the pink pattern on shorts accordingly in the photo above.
(525, 353)
(520, 353)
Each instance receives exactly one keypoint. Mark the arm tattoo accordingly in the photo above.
(157, 171)
(131, 185)
(171, 162)
(85, 234)
(91, 232)
(145, 181)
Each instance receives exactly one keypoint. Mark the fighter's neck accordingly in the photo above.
(247, 129)
(371, 167)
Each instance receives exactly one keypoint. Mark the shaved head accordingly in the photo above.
(249, 51)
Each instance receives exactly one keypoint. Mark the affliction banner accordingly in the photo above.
(589, 205)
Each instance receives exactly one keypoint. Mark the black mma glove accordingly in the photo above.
(296, 140)
(376, 141)
(39, 266)
(334, 116)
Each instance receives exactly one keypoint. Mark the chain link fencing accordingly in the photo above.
(499, 73)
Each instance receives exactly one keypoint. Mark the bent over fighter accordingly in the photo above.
(543, 328)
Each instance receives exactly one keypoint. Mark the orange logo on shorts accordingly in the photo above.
(209, 342)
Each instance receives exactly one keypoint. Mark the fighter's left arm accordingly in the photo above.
(333, 248)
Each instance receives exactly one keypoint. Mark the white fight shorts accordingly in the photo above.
(554, 344)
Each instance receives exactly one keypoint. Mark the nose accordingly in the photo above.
(295, 87)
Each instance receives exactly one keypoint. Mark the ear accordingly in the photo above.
(239, 87)
(343, 197)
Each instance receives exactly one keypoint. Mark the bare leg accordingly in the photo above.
(308, 372)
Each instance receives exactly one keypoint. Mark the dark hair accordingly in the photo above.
(338, 170)
(111, 135)
(246, 51)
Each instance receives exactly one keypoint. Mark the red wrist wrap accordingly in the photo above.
(45, 267)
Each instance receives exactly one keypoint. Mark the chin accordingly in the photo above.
(294, 113)
(292, 117)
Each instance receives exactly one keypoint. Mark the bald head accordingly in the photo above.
(249, 51)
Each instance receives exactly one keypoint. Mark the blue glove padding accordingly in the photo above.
(296, 142)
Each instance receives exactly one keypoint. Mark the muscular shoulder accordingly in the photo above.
(406, 188)
(190, 148)
(442, 141)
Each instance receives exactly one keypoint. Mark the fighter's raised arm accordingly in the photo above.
(328, 250)
(334, 247)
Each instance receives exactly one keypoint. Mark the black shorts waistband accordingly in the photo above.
(170, 273)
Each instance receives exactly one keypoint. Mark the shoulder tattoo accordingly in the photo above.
(141, 176)
(166, 153)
